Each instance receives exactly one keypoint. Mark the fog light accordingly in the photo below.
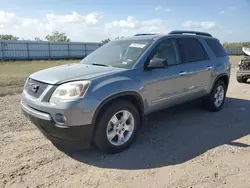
(60, 118)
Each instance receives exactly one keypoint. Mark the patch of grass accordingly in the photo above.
(236, 58)
(14, 73)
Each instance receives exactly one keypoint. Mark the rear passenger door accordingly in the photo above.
(196, 66)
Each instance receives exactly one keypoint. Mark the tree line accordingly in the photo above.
(236, 44)
(54, 37)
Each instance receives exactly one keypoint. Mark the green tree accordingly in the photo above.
(37, 39)
(236, 44)
(57, 37)
(106, 41)
(8, 37)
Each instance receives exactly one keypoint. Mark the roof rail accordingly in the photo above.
(191, 32)
(143, 34)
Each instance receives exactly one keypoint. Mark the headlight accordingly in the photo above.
(69, 91)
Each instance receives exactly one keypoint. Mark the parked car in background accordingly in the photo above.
(243, 72)
(104, 99)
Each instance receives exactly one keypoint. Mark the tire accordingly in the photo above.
(103, 124)
(240, 79)
(210, 101)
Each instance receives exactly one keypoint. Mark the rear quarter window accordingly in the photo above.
(216, 47)
(191, 50)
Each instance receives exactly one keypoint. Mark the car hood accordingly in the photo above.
(70, 72)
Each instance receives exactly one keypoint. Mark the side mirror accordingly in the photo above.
(157, 63)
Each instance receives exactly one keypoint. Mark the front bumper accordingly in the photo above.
(243, 73)
(60, 135)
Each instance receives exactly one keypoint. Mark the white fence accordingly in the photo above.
(28, 50)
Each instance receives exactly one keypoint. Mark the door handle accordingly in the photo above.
(209, 67)
(182, 73)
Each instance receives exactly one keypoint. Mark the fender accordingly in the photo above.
(217, 78)
(116, 96)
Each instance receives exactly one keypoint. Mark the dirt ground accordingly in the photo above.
(182, 147)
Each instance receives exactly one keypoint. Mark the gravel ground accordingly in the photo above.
(181, 147)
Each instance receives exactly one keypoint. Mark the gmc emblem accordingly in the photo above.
(33, 87)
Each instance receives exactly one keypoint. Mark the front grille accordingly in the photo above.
(35, 88)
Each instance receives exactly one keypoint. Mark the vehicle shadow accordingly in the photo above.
(177, 135)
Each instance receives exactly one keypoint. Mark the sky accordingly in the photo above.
(96, 20)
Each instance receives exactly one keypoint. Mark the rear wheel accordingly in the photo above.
(240, 79)
(117, 126)
(215, 101)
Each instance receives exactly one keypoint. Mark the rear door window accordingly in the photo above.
(191, 50)
(216, 47)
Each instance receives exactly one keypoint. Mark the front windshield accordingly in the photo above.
(121, 53)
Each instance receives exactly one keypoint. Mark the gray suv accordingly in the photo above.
(104, 99)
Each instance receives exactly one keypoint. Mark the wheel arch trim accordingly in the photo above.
(217, 78)
(117, 96)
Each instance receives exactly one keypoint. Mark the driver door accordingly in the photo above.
(164, 86)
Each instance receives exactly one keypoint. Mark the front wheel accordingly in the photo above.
(117, 126)
(215, 101)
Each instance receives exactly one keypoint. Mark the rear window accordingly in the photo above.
(216, 47)
(191, 50)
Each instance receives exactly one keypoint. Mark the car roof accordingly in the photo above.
(172, 34)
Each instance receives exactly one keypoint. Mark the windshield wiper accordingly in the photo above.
(99, 64)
